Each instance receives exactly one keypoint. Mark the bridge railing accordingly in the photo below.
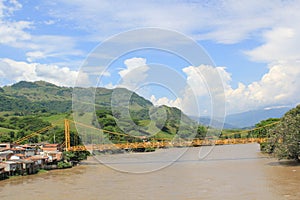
(175, 143)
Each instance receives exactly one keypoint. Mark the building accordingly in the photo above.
(3, 173)
(30, 150)
(5, 146)
(39, 160)
(5, 155)
(53, 156)
(52, 147)
(28, 167)
(13, 167)
(18, 150)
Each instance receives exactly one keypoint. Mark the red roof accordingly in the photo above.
(51, 145)
(37, 157)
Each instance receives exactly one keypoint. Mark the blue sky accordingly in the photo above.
(255, 46)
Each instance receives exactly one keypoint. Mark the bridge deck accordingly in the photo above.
(166, 144)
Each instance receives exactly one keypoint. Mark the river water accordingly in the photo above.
(224, 172)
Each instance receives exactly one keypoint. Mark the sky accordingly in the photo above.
(252, 47)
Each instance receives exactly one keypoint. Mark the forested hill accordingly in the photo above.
(40, 96)
(23, 103)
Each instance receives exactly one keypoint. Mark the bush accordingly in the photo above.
(284, 140)
(62, 165)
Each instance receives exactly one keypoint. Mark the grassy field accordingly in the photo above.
(57, 120)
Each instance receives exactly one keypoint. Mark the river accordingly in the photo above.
(223, 172)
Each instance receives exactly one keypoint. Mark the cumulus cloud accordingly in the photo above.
(17, 71)
(277, 87)
(165, 101)
(134, 74)
(206, 83)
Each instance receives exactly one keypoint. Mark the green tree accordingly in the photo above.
(201, 132)
(285, 137)
(261, 128)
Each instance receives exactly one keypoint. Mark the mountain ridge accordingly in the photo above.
(246, 119)
(111, 108)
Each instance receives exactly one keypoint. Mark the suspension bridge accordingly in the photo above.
(142, 144)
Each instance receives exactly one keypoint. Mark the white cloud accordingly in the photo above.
(17, 34)
(12, 32)
(165, 101)
(280, 44)
(34, 55)
(8, 7)
(224, 21)
(205, 80)
(279, 86)
(203, 93)
(17, 71)
(50, 46)
(134, 74)
(206, 85)
(132, 64)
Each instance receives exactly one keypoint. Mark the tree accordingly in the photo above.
(261, 128)
(201, 132)
(285, 137)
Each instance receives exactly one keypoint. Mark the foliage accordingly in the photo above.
(201, 132)
(13, 128)
(284, 140)
(75, 155)
(261, 128)
(147, 121)
(62, 165)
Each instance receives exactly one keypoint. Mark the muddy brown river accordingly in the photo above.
(224, 172)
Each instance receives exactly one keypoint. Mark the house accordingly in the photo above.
(3, 173)
(39, 160)
(12, 167)
(18, 150)
(28, 167)
(5, 146)
(53, 156)
(5, 155)
(30, 150)
(52, 147)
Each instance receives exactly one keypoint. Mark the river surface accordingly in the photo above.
(224, 172)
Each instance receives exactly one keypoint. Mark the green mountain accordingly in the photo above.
(40, 96)
(28, 97)
(25, 102)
